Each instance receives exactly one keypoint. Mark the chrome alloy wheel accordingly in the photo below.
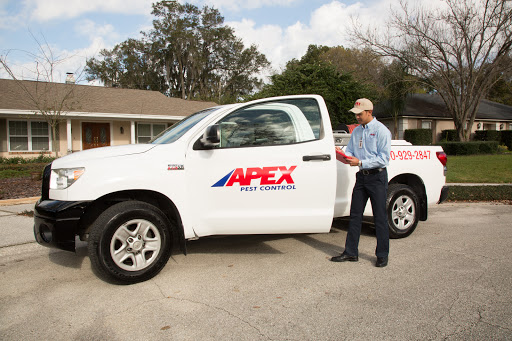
(135, 245)
(403, 213)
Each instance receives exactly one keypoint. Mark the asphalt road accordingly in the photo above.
(450, 280)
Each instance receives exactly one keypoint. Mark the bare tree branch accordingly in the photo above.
(460, 49)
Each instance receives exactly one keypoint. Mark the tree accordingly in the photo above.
(128, 66)
(459, 50)
(201, 57)
(501, 91)
(189, 54)
(363, 64)
(397, 84)
(51, 100)
(313, 76)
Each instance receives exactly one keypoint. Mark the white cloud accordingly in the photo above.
(237, 5)
(92, 30)
(327, 26)
(45, 10)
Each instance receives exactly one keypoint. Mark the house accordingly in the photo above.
(91, 116)
(425, 111)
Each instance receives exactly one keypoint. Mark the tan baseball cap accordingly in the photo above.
(361, 105)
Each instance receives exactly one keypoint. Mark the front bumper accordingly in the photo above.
(56, 223)
(444, 194)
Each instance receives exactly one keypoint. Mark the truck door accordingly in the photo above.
(274, 171)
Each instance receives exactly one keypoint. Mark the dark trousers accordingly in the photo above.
(375, 187)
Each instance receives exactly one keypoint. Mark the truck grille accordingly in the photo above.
(45, 188)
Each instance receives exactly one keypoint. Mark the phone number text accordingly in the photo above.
(410, 155)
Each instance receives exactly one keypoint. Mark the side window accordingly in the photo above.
(270, 124)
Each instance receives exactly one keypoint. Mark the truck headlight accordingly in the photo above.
(65, 177)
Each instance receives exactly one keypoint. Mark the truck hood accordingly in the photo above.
(99, 153)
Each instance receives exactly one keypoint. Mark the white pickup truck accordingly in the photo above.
(263, 167)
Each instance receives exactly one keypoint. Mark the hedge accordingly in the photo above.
(487, 135)
(506, 138)
(418, 137)
(449, 135)
(479, 193)
(470, 148)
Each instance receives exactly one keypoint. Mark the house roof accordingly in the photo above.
(432, 106)
(102, 101)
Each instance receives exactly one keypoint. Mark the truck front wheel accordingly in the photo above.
(130, 242)
(402, 208)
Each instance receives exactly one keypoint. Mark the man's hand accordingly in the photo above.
(353, 161)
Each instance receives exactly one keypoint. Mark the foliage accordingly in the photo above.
(313, 76)
(448, 135)
(418, 137)
(470, 148)
(460, 50)
(127, 65)
(506, 138)
(501, 90)
(21, 160)
(480, 193)
(364, 65)
(487, 135)
(189, 54)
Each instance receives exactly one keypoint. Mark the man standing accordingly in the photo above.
(369, 149)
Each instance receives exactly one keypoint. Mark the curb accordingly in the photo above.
(10, 202)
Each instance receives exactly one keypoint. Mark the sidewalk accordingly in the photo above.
(16, 228)
(10, 202)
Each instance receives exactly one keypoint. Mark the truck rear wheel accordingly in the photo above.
(402, 207)
(130, 242)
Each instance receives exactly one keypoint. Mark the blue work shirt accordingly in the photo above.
(371, 144)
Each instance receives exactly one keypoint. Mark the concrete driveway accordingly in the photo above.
(450, 280)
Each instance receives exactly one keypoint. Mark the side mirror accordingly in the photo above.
(211, 137)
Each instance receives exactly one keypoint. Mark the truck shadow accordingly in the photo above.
(233, 244)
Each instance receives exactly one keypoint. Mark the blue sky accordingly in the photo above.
(77, 29)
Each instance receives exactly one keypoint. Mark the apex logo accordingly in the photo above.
(267, 176)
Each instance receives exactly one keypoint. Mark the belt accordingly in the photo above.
(371, 171)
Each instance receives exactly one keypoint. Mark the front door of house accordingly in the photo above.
(95, 135)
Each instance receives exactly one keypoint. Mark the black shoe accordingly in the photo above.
(344, 258)
(381, 262)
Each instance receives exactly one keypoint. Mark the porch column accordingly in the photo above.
(132, 132)
(68, 136)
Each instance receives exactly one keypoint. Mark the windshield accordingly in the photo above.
(178, 129)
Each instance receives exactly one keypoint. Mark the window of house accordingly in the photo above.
(27, 136)
(147, 131)
(426, 124)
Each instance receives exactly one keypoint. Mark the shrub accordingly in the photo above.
(16, 160)
(480, 193)
(449, 135)
(506, 138)
(470, 148)
(418, 137)
(487, 135)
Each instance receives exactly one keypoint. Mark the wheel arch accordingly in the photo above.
(418, 186)
(156, 199)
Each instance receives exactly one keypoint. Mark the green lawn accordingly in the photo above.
(480, 168)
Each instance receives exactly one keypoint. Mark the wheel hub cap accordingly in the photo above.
(135, 244)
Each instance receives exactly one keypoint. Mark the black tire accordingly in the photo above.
(130, 242)
(402, 210)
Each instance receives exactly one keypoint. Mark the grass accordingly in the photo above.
(24, 170)
(11, 173)
(480, 168)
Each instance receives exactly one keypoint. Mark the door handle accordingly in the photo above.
(325, 157)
